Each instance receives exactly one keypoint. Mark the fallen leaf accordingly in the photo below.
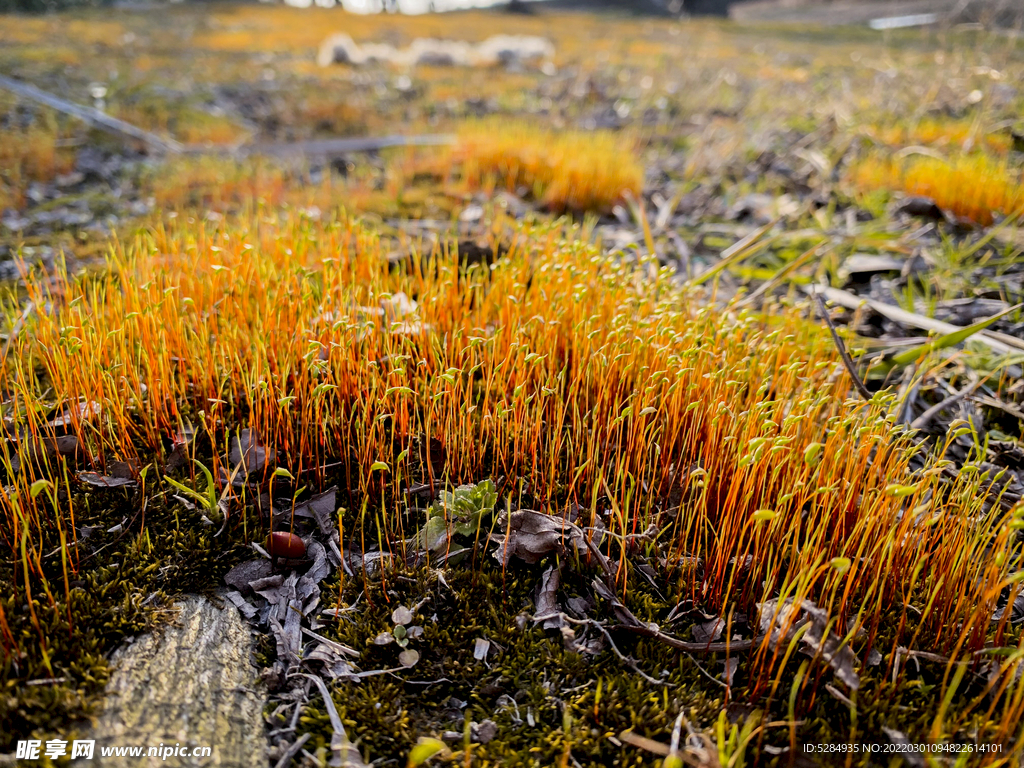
(243, 575)
(1016, 610)
(105, 481)
(531, 535)
(320, 569)
(82, 411)
(321, 508)
(731, 665)
(547, 598)
(247, 451)
(708, 631)
(780, 623)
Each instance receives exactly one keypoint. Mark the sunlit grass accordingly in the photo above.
(955, 135)
(215, 183)
(188, 126)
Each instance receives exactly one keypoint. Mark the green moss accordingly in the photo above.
(578, 704)
(123, 584)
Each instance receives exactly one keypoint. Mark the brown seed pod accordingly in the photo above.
(284, 544)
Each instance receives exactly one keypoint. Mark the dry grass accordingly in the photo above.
(974, 187)
(945, 135)
(575, 374)
(188, 126)
(30, 153)
(217, 183)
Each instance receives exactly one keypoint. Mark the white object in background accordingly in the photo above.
(898, 22)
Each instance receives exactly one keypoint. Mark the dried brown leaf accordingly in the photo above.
(781, 621)
(531, 535)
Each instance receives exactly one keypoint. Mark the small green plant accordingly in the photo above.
(732, 740)
(461, 512)
(208, 498)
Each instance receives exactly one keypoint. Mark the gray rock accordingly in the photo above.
(190, 683)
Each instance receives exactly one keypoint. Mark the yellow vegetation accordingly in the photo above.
(27, 155)
(959, 135)
(216, 182)
(189, 126)
(564, 170)
(974, 187)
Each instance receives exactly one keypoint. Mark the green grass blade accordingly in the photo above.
(948, 340)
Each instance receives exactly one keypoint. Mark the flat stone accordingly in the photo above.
(191, 683)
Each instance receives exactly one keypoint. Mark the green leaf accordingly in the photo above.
(211, 486)
(379, 465)
(948, 340)
(425, 749)
(434, 535)
(197, 497)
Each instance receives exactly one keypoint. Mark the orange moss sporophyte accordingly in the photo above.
(28, 154)
(946, 135)
(570, 371)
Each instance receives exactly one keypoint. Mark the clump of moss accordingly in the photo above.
(562, 170)
(972, 186)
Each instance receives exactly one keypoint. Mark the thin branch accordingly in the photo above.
(847, 360)
(594, 623)
(925, 418)
(293, 750)
(91, 116)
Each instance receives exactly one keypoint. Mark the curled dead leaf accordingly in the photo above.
(247, 451)
(531, 535)
(781, 622)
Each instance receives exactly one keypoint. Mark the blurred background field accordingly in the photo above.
(712, 112)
